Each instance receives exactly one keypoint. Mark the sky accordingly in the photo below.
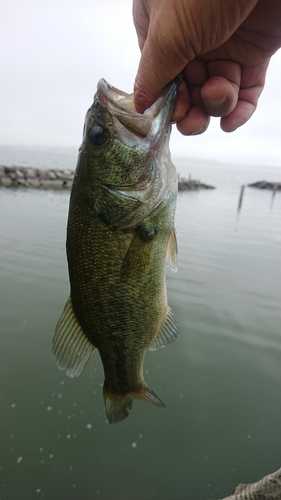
(52, 54)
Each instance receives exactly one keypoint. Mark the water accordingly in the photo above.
(220, 382)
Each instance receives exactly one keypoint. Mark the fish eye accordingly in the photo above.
(97, 135)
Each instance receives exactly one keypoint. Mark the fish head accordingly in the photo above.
(120, 144)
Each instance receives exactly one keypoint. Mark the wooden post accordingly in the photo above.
(241, 198)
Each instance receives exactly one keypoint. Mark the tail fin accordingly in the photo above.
(117, 406)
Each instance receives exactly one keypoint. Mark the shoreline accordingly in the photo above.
(29, 177)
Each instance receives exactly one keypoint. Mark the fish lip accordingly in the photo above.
(111, 97)
(106, 94)
(138, 123)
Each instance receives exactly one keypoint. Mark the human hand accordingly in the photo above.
(221, 47)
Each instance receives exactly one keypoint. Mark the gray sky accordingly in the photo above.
(52, 54)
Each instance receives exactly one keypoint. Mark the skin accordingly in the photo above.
(222, 47)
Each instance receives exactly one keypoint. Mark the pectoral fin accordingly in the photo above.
(139, 252)
(172, 251)
(71, 348)
(168, 334)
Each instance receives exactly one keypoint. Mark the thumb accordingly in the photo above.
(159, 64)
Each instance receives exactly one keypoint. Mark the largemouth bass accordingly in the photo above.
(120, 234)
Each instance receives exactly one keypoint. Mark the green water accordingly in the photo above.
(220, 382)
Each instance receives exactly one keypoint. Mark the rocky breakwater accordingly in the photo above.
(35, 178)
(274, 186)
(192, 184)
(18, 176)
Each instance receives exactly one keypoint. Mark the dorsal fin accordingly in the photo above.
(71, 348)
(172, 251)
(168, 334)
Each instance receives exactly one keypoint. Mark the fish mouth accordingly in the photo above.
(121, 105)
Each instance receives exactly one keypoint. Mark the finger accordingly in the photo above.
(219, 96)
(246, 105)
(162, 58)
(252, 83)
(195, 122)
(141, 21)
(220, 92)
(152, 76)
(240, 115)
(182, 104)
(195, 73)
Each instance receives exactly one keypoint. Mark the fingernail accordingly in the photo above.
(200, 131)
(215, 102)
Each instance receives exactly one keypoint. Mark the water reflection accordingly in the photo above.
(220, 382)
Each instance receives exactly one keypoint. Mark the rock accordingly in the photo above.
(68, 172)
(191, 185)
(6, 181)
(53, 184)
(62, 175)
(11, 172)
(274, 186)
(2, 171)
(52, 175)
(31, 173)
(33, 182)
(19, 173)
(43, 174)
(32, 177)
(67, 184)
(21, 182)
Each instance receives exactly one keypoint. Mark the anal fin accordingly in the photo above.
(168, 334)
(71, 348)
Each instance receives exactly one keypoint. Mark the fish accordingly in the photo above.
(120, 237)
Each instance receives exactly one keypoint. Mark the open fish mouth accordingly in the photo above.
(121, 105)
